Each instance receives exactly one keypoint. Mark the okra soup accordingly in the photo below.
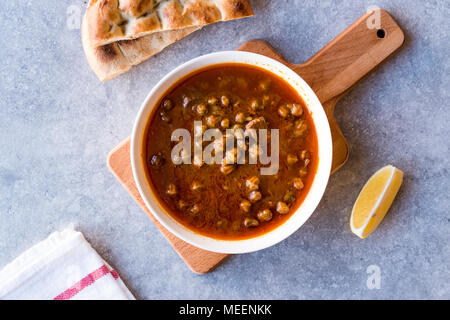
(230, 151)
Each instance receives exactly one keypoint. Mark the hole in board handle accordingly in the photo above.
(381, 33)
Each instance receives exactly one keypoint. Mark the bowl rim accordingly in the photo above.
(311, 201)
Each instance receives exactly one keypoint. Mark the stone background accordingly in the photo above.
(58, 123)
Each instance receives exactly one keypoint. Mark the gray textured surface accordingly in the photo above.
(58, 122)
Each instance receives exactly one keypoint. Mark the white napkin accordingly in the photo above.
(63, 266)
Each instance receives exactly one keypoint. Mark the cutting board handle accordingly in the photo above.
(352, 55)
(348, 58)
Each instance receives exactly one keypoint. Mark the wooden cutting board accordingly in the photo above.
(331, 73)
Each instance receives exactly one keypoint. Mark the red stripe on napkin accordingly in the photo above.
(85, 282)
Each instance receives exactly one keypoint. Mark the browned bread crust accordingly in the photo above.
(118, 34)
(113, 20)
(113, 59)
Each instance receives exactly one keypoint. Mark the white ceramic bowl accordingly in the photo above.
(320, 180)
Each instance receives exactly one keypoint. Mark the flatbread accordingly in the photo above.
(110, 21)
(118, 34)
(113, 59)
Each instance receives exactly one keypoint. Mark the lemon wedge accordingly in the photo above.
(374, 200)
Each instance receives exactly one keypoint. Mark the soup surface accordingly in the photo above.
(227, 200)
